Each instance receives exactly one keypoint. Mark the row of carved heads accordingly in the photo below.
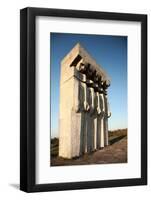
(93, 78)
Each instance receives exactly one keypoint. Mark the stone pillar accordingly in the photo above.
(89, 120)
(102, 120)
(95, 122)
(70, 112)
(85, 114)
(66, 112)
(106, 116)
(98, 120)
(83, 108)
(91, 116)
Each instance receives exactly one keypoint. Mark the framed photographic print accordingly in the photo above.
(83, 99)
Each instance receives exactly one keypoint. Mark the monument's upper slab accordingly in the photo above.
(78, 53)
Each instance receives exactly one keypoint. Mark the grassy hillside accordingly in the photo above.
(114, 136)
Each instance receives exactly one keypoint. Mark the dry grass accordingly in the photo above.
(116, 152)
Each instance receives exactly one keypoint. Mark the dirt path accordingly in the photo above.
(115, 153)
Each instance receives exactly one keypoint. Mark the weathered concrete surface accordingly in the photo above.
(83, 121)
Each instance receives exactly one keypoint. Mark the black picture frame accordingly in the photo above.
(28, 98)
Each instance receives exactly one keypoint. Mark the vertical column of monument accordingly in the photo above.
(76, 130)
(102, 120)
(64, 118)
(106, 84)
(82, 125)
(105, 122)
(97, 109)
(70, 116)
(92, 111)
(79, 122)
(87, 119)
(83, 90)
(87, 109)
(107, 115)
(88, 124)
(83, 141)
(91, 116)
(95, 121)
(98, 120)
(85, 114)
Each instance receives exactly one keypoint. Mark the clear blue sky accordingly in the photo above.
(108, 51)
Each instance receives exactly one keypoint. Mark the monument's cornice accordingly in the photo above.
(79, 53)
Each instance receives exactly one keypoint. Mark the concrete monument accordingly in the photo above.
(84, 109)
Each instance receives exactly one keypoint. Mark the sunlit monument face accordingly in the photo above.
(84, 110)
